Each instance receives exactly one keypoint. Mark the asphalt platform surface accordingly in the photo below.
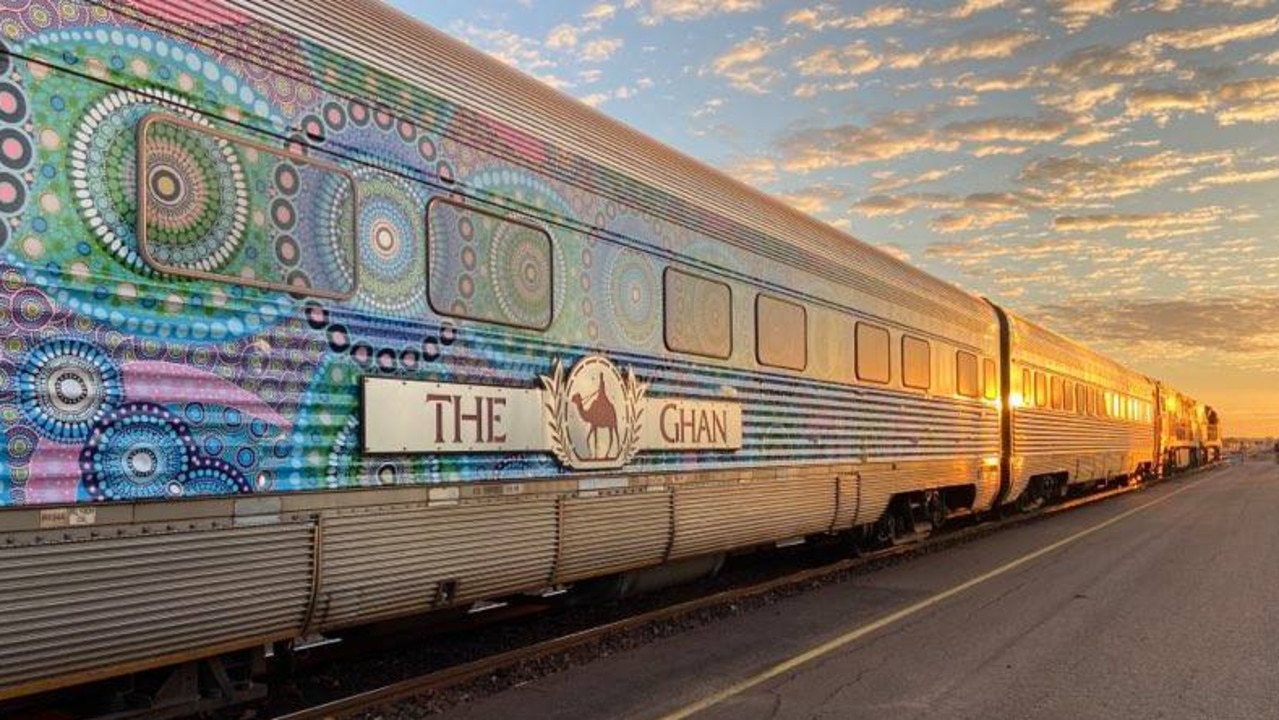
(1162, 603)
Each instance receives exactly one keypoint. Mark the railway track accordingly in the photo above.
(544, 652)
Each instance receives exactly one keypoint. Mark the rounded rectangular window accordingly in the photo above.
(873, 353)
(966, 374)
(1068, 396)
(699, 315)
(781, 333)
(216, 206)
(490, 267)
(1041, 390)
(990, 378)
(1058, 396)
(917, 363)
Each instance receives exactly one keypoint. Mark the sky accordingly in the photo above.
(1108, 168)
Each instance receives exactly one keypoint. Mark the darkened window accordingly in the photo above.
(1068, 396)
(1041, 390)
(990, 378)
(1058, 396)
(1027, 389)
(486, 266)
(201, 190)
(1081, 399)
(966, 374)
(917, 363)
(781, 333)
(699, 315)
(873, 362)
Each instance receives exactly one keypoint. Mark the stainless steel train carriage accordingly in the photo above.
(1076, 416)
(313, 316)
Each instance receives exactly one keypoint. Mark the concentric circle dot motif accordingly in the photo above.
(137, 451)
(520, 269)
(633, 296)
(196, 193)
(65, 386)
(197, 198)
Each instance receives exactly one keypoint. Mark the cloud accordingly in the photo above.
(1098, 62)
(972, 7)
(889, 137)
(1254, 100)
(561, 37)
(742, 65)
(1088, 136)
(754, 171)
(1236, 177)
(879, 205)
(955, 222)
(1009, 129)
(815, 199)
(992, 46)
(599, 50)
(825, 17)
(1075, 15)
(599, 14)
(1082, 180)
(1146, 226)
(889, 181)
(1230, 324)
(1214, 36)
(855, 58)
(656, 11)
(521, 52)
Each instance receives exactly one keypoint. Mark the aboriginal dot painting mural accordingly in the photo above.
(489, 268)
(201, 192)
(202, 253)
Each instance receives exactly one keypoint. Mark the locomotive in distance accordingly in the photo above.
(246, 247)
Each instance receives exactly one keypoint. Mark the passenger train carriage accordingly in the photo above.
(1076, 415)
(313, 316)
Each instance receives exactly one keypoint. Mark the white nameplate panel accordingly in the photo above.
(594, 417)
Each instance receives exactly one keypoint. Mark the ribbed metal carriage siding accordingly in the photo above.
(90, 606)
(819, 455)
(1047, 442)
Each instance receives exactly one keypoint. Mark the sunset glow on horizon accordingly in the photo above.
(1107, 168)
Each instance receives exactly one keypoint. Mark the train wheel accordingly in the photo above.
(1032, 498)
(935, 508)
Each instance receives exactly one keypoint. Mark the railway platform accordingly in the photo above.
(1156, 604)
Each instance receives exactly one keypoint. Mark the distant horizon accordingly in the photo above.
(1105, 170)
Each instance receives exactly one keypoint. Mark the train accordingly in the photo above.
(311, 316)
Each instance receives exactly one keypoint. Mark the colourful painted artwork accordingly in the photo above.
(201, 256)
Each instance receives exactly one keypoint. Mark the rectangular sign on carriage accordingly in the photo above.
(591, 418)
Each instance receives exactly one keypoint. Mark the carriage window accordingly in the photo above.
(1027, 389)
(917, 363)
(966, 374)
(699, 315)
(1068, 396)
(990, 379)
(1041, 390)
(781, 333)
(1081, 399)
(873, 363)
(1057, 395)
(202, 190)
(489, 267)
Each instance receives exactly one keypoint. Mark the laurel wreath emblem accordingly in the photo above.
(556, 405)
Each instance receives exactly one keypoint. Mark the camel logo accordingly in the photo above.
(595, 414)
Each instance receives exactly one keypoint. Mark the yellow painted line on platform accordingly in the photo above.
(854, 635)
